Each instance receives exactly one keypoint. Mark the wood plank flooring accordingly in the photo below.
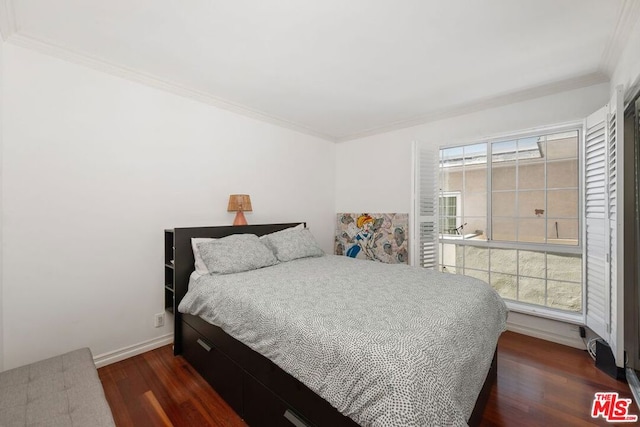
(539, 384)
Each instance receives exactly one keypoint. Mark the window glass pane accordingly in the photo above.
(566, 267)
(475, 204)
(562, 145)
(482, 275)
(460, 257)
(562, 174)
(562, 231)
(449, 204)
(503, 203)
(457, 228)
(503, 177)
(531, 264)
(531, 204)
(449, 255)
(531, 290)
(504, 229)
(504, 284)
(475, 154)
(504, 260)
(451, 157)
(562, 203)
(504, 152)
(448, 225)
(531, 230)
(530, 148)
(476, 228)
(476, 179)
(564, 295)
(531, 176)
(476, 258)
(451, 179)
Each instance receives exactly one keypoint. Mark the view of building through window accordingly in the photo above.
(509, 215)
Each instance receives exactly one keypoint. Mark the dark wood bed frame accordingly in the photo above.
(257, 389)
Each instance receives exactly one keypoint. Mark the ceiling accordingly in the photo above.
(334, 68)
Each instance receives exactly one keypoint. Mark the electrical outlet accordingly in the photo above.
(158, 320)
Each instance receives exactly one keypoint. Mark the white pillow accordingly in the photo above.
(201, 267)
(235, 253)
(291, 243)
(295, 227)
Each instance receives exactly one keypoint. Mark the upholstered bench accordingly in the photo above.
(61, 391)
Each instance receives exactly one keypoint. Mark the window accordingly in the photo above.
(449, 205)
(542, 216)
(509, 215)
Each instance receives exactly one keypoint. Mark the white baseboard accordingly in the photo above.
(545, 329)
(132, 350)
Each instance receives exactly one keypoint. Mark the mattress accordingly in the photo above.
(384, 344)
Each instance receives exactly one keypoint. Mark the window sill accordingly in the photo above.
(548, 313)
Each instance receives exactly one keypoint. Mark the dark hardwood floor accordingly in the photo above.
(539, 384)
(546, 384)
(158, 389)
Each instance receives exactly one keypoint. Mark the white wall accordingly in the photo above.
(627, 70)
(1, 193)
(374, 173)
(95, 167)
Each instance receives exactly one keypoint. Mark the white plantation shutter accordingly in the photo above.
(596, 236)
(427, 207)
(615, 142)
(603, 224)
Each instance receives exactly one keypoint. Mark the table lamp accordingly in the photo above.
(239, 203)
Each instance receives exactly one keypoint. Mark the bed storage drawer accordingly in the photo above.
(317, 410)
(216, 368)
(263, 408)
(285, 389)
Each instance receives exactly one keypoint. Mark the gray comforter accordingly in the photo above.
(384, 344)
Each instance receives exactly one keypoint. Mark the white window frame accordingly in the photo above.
(516, 306)
(596, 291)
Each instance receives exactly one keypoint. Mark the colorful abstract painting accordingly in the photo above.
(379, 237)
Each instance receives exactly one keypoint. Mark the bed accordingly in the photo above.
(320, 340)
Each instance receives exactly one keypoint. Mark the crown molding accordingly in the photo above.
(577, 82)
(7, 19)
(628, 18)
(153, 81)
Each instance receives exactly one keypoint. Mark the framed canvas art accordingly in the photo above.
(379, 237)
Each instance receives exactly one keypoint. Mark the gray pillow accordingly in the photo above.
(292, 244)
(235, 253)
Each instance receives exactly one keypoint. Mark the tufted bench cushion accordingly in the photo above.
(61, 391)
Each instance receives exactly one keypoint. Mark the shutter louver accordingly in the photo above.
(615, 190)
(596, 241)
(428, 208)
(595, 159)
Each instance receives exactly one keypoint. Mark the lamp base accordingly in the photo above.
(240, 219)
